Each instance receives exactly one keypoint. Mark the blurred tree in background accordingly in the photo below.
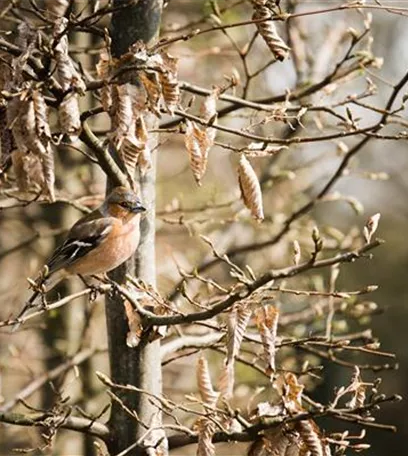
(246, 321)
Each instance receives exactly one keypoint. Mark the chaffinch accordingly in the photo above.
(97, 243)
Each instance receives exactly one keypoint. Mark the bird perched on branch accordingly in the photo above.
(97, 243)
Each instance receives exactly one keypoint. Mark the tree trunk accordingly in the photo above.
(137, 366)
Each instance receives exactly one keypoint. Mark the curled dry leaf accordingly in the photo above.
(237, 323)
(71, 83)
(28, 120)
(250, 188)
(276, 442)
(42, 126)
(151, 84)
(206, 429)
(169, 82)
(208, 112)
(130, 135)
(311, 438)
(197, 146)
(68, 75)
(24, 166)
(135, 326)
(291, 391)
(358, 389)
(267, 30)
(70, 116)
(208, 395)
(267, 323)
(103, 70)
(123, 124)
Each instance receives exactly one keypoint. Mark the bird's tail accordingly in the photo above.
(40, 287)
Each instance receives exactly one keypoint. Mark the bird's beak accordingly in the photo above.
(137, 208)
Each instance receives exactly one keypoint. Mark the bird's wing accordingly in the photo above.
(83, 237)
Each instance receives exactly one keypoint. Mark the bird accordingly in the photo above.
(96, 243)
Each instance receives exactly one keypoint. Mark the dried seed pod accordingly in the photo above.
(250, 188)
(169, 82)
(197, 146)
(267, 30)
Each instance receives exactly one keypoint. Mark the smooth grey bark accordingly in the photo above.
(139, 366)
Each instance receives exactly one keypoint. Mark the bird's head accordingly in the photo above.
(123, 202)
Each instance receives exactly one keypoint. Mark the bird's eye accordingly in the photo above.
(124, 204)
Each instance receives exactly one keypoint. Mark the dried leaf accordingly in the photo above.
(267, 30)
(47, 161)
(28, 119)
(42, 126)
(103, 70)
(135, 326)
(169, 82)
(197, 146)
(276, 442)
(358, 388)
(151, 84)
(130, 135)
(22, 168)
(250, 188)
(292, 393)
(267, 323)
(121, 114)
(26, 40)
(206, 429)
(311, 439)
(208, 395)
(70, 116)
(237, 322)
(209, 114)
(68, 76)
